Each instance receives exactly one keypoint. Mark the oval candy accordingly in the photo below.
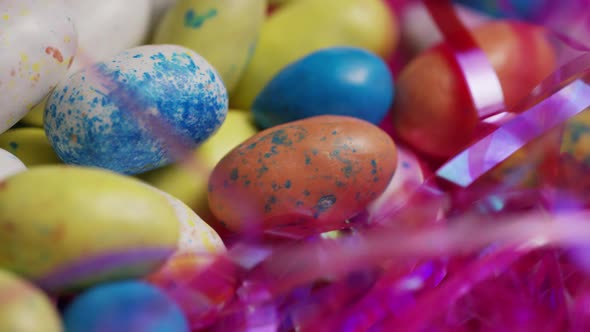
(126, 306)
(222, 31)
(24, 308)
(30, 145)
(37, 45)
(333, 81)
(128, 114)
(66, 227)
(304, 26)
(10, 165)
(433, 113)
(302, 177)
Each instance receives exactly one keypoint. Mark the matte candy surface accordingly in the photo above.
(222, 31)
(67, 226)
(110, 122)
(302, 177)
(304, 26)
(432, 111)
(333, 81)
(37, 45)
(10, 165)
(130, 306)
(30, 145)
(24, 308)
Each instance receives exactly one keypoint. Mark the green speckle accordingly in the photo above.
(234, 174)
(13, 145)
(193, 20)
(288, 184)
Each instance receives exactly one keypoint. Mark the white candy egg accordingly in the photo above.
(38, 41)
(9, 165)
(108, 27)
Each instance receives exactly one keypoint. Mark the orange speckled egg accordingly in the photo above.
(302, 177)
(432, 111)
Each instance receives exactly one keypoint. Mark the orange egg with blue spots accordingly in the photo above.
(302, 177)
(338, 81)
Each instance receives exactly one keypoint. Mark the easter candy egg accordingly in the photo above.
(338, 81)
(108, 27)
(432, 111)
(10, 165)
(130, 113)
(189, 183)
(195, 235)
(128, 306)
(222, 31)
(30, 145)
(104, 29)
(38, 43)
(24, 308)
(302, 177)
(65, 227)
(304, 26)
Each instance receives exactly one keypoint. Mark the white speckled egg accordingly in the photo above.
(108, 27)
(38, 41)
(131, 113)
(9, 165)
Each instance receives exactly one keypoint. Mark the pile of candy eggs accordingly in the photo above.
(292, 165)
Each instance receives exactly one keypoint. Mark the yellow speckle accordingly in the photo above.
(5, 17)
(67, 39)
(11, 84)
(24, 57)
(25, 12)
(36, 67)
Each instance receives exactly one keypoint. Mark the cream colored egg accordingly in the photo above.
(10, 165)
(38, 41)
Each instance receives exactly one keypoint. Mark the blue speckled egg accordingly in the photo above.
(334, 81)
(136, 111)
(128, 306)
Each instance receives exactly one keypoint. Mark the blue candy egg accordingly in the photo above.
(136, 111)
(333, 81)
(129, 306)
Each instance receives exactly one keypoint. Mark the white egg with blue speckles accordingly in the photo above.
(38, 41)
(136, 111)
(10, 165)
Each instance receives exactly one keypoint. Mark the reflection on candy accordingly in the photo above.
(24, 308)
(91, 122)
(125, 230)
(30, 145)
(128, 306)
(10, 165)
(286, 37)
(302, 177)
(38, 44)
(222, 31)
(333, 81)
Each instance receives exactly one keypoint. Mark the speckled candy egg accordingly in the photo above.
(128, 306)
(432, 111)
(104, 28)
(24, 308)
(67, 227)
(10, 165)
(339, 81)
(302, 177)
(37, 44)
(223, 31)
(127, 114)
(30, 145)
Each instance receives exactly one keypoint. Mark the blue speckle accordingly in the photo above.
(288, 184)
(193, 20)
(13, 145)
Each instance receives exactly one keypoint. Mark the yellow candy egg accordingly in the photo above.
(30, 145)
(24, 308)
(304, 26)
(65, 227)
(222, 31)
